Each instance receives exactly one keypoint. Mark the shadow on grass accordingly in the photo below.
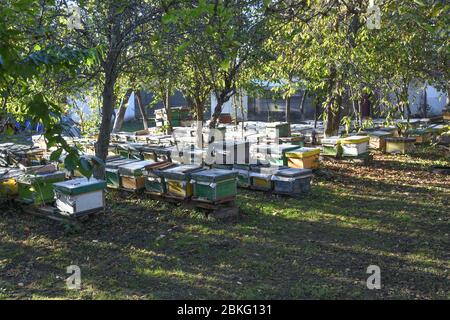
(316, 247)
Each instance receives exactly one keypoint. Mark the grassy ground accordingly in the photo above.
(394, 214)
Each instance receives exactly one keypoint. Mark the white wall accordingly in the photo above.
(129, 113)
(228, 106)
(80, 106)
(436, 99)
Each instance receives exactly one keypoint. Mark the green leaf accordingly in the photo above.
(71, 162)
(225, 65)
(56, 155)
(85, 168)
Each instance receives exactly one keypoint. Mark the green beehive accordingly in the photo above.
(112, 171)
(38, 188)
(331, 147)
(275, 154)
(243, 175)
(154, 181)
(178, 180)
(214, 185)
(277, 129)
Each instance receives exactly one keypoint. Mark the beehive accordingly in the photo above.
(292, 181)
(304, 158)
(378, 139)
(399, 145)
(38, 188)
(177, 180)
(421, 135)
(355, 146)
(8, 183)
(154, 181)
(261, 177)
(331, 146)
(132, 174)
(112, 171)
(214, 185)
(277, 129)
(80, 195)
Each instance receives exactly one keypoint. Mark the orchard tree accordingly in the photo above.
(119, 28)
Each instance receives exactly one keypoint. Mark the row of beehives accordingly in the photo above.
(213, 184)
(45, 184)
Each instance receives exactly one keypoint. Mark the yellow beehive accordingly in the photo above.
(304, 158)
(180, 189)
(9, 188)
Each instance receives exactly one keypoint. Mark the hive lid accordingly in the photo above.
(331, 140)
(380, 133)
(303, 152)
(180, 172)
(355, 140)
(43, 177)
(135, 167)
(294, 173)
(267, 169)
(401, 139)
(117, 163)
(79, 186)
(214, 175)
(276, 124)
(7, 173)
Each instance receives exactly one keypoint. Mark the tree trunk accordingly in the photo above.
(365, 106)
(141, 109)
(101, 147)
(333, 117)
(121, 112)
(425, 103)
(288, 109)
(216, 113)
(356, 112)
(316, 113)
(302, 104)
(333, 107)
(168, 109)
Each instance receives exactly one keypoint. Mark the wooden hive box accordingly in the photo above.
(132, 174)
(178, 180)
(112, 171)
(154, 181)
(214, 185)
(304, 158)
(38, 188)
(331, 146)
(399, 145)
(80, 195)
(292, 181)
(355, 146)
(378, 139)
